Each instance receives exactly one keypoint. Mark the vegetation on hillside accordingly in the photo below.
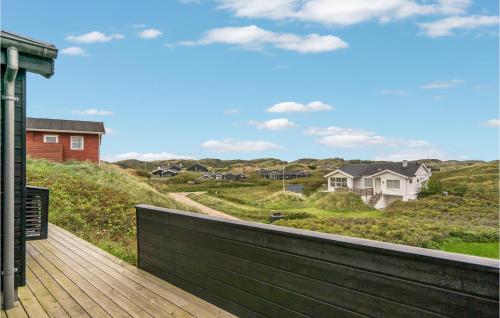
(96, 202)
(465, 220)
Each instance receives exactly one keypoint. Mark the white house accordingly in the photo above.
(380, 184)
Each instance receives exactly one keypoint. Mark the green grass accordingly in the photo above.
(483, 249)
(96, 202)
(469, 215)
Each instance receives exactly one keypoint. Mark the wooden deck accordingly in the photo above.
(69, 277)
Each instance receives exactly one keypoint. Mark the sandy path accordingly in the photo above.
(181, 197)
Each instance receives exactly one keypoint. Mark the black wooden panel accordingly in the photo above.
(253, 269)
(384, 291)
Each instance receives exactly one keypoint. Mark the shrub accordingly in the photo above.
(282, 200)
(432, 187)
(341, 201)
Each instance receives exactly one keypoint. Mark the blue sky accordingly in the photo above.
(385, 79)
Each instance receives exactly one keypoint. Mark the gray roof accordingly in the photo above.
(368, 169)
(28, 45)
(34, 55)
(65, 125)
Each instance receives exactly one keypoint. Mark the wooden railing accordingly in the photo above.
(261, 270)
(361, 192)
(37, 213)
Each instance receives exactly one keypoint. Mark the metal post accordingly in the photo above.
(9, 293)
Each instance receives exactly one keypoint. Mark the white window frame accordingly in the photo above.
(71, 143)
(394, 188)
(51, 136)
(368, 183)
(339, 182)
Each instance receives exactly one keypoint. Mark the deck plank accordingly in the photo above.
(44, 297)
(100, 298)
(193, 304)
(16, 312)
(31, 304)
(86, 302)
(151, 305)
(90, 262)
(69, 277)
(118, 298)
(63, 298)
(188, 302)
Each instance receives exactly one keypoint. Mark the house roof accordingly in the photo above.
(34, 55)
(46, 124)
(368, 169)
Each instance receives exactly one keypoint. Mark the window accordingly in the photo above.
(393, 184)
(52, 139)
(339, 182)
(76, 143)
(368, 183)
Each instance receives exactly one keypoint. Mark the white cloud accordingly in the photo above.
(446, 26)
(493, 123)
(74, 50)
(339, 137)
(332, 130)
(150, 34)
(149, 156)
(254, 38)
(92, 111)
(230, 145)
(94, 37)
(342, 13)
(294, 107)
(111, 131)
(428, 153)
(400, 92)
(443, 84)
(231, 111)
(274, 124)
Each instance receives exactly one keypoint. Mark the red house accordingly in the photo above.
(64, 140)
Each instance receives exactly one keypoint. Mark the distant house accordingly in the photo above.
(160, 172)
(177, 167)
(63, 140)
(380, 184)
(197, 168)
(224, 176)
(280, 174)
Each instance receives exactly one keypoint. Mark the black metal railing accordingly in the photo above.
(37, 213)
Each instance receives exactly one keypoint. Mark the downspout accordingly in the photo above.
(9, 98)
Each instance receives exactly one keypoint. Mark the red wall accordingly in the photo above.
(36, 148)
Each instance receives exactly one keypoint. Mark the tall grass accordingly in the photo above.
(96, 202)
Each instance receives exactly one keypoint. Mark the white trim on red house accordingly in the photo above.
(66, 131)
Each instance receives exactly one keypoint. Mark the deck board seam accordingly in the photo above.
(120, 282)
(96, 277)
(79, 285)
(132, 280)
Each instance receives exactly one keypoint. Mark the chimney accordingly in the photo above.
(405, 163)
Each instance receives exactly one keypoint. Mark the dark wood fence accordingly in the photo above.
(37, 213)
(259, 270)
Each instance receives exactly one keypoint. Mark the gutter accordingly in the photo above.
(8, 96)
(27, 45)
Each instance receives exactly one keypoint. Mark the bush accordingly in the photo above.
(432, 187)
(282, 200)
(341, 201)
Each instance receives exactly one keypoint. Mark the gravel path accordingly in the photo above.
(182, 197)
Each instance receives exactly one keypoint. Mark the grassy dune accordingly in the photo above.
(465, 221)
(96, 202)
